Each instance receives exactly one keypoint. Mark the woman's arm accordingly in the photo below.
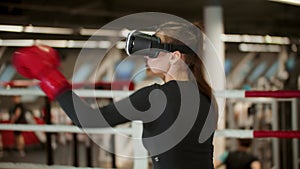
(83, 115)
(134, 107)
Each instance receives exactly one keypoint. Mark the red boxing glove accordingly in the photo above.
(41, 62)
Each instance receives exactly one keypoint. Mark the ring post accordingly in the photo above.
(140, 153)
(48, 134)
(295, 127)
(275, 141)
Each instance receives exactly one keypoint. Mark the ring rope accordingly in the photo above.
(122, 93)
(80, 92)
(274, 94)
(277, 134)
(233, 133)
(63, 128)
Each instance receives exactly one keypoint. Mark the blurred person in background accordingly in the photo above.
(18, 116)
(241, 158)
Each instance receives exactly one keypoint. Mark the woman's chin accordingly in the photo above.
(149, 71)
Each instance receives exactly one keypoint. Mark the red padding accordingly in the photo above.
(273, 94)
(115, 85)
(277, 134)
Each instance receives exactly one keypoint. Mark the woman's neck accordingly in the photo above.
(178, 75)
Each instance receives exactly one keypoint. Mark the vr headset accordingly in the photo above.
(150, 45)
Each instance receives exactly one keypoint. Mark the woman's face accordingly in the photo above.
(158, 66)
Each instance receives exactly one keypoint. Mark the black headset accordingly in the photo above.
(150, 45)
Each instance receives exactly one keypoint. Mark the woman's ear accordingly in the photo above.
(175, 56)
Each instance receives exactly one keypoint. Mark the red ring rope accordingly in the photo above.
(115, 85)
(273, 94)
(277, 134)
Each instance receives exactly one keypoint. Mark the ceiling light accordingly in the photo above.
(16, 42)
(11, 28)
(56, 43)
(75, 44)
(104, 44)
(124, 32)
(231, 38)
(53, 43)
(89, 32)
(48, 30)
(120, 45)
(99, 32)
(291, 2)
(36, 29)
(259, 48)
(277, 40)
(255, 39)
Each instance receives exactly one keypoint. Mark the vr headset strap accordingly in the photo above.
(181, 48)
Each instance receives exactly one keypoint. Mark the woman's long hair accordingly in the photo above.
(193, 38)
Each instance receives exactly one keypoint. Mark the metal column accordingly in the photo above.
(275, 141)
(214, 29)
(139, 151)
(295, 127)
(47, 118)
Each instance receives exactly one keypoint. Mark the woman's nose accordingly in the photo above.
(146, 57)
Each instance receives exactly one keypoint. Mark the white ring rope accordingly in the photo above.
(63, 128)
(106, 93)
(232, 133)
(80, 92)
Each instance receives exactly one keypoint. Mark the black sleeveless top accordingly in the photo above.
(21, 119)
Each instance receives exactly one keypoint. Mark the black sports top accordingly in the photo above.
(239, 160)
(173, 116)
(21, 119)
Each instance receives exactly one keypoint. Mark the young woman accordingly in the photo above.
(173, 114)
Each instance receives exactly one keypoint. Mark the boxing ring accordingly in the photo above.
(136, 128)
